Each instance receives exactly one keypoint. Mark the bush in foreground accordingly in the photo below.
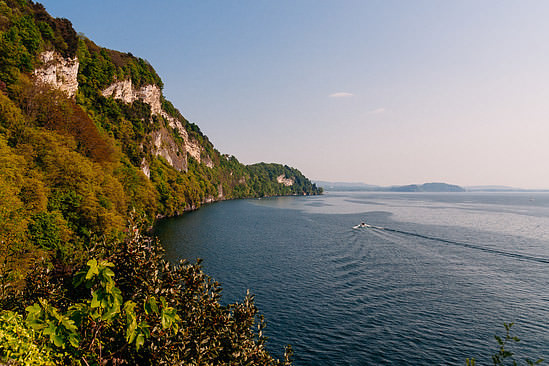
(128, 305)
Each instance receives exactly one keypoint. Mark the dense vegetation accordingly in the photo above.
(130, 307)
(76, 286)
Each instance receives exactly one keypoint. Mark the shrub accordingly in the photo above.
(129, 305)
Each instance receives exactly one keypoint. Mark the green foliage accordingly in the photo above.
(48, 321)
(12, 211)
(504, 356)
(20, 343)
(179, 191)
(25, 30)
(99, 67)
(53, 110)
(137, 308)
(106, 297)
(96, 71)
(45, 230)
(12, 120)
(19, 46)
(138, 188)
(264, 181)
(140, 72)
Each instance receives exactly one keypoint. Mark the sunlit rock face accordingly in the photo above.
(125, 91)
(164, 144)
(58, 72)
(286, 181)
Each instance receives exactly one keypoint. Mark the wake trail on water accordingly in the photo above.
(527, 257)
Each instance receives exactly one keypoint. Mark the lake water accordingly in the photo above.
(431, 285)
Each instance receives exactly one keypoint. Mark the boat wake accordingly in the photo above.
(462, 244)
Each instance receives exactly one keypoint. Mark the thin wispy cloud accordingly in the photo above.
(377, 111)
(340, 95)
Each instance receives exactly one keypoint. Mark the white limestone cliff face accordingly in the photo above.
(166, 147)
(164, 144)
(58, 72)
(192, 147)
(286, 181)
(125, 91)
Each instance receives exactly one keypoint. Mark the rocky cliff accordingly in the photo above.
(164, 144)
(62, 73)
(58, 72)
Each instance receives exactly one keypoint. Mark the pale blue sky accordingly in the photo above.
(381, 92)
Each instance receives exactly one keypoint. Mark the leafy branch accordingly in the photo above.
(504, 355)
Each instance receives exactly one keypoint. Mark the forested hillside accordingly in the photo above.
(87, 140)
(76, 160)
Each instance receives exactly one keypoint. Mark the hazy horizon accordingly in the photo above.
(319, 182)
(381, 92)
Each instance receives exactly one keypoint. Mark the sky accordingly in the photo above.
(382, 92)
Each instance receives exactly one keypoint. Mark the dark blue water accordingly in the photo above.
(430, 286)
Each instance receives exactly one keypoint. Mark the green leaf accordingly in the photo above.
(50, 330)
(78, 279)
(93, 270)
(34, 309)
(130, 333)
(73, 340)
(151, 306)
(58, 340)
(68, 324)
(139, 341)
(95, 303)
(108, 272)
(165, 321)
(129, 307)
(117, 296)
(34, 317)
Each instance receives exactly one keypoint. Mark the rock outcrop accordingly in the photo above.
(192, 147)
(164, 144)
(125, 91)
(58, 72)
(286, 181)
(62, 73)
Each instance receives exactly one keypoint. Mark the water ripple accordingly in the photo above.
(412, 293)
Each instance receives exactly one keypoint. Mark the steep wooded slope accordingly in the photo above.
(88, 136)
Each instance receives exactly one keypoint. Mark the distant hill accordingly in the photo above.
(426, 187)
